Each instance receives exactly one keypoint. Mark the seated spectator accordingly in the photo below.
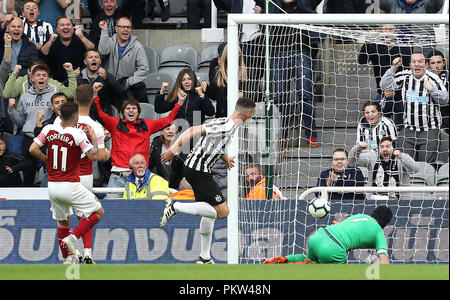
(16, 85)
(340, 174)
(23, 51)
(130, 135)
(196, 9)
(127, 59)
(36, 30)
(111, 94)
(410, 6)
(143, 184)
(186, 87)
(388, 167)
(68, 45)
(255, 180)
(171, 171)
(374, 126)
(217, 88)
(10, 165)
(35, 99)
(436, 64)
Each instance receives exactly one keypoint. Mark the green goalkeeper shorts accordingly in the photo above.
(323, 250)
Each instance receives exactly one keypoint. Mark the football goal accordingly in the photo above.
(310, 76)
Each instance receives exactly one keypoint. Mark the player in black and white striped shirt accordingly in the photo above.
(422, 92)
(215, 136)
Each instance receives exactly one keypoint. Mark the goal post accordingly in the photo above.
(268, 144)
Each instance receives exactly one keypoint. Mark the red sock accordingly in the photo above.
(87, 238)
(63, 231)
(85, 225)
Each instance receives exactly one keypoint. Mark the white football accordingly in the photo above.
(319, 208)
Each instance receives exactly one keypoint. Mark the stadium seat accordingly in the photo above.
(153, 58)
(442, 175)
(154, 81)
(179, 56)
(148, 111)
(426, 176)
(205, 58)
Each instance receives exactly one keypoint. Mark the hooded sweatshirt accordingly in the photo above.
(30, 103)
(132, 64)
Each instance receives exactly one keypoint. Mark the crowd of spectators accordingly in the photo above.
(45, 55)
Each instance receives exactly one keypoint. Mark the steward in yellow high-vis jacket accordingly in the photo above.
(149, 187)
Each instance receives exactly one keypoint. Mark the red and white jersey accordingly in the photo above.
(86, 163)
(64, 149)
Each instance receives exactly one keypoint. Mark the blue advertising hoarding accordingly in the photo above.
(129, 232)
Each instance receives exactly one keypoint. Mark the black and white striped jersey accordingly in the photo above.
(39, 33)
(212, 146)
(422, 108)
(372, 135)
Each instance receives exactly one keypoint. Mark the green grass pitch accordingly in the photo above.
(224, 272)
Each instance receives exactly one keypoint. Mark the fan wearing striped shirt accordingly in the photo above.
(436, 62)
(423, 92)
(374, 126)
(37, 31)
(209, 203)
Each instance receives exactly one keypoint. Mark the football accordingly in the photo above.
(319, 208)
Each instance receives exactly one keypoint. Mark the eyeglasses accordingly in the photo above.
(124, 27)
(339, 158)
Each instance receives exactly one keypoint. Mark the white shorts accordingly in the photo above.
(87, 181)
(65, 196)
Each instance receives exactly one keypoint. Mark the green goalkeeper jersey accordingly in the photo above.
(359, 232)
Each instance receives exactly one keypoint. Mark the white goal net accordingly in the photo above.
(311, 79)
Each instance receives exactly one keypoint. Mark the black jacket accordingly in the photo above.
(17, 163)
(192, 104)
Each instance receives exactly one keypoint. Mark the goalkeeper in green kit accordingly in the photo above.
(330, 245)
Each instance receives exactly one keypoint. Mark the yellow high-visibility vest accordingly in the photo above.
(157, 188)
